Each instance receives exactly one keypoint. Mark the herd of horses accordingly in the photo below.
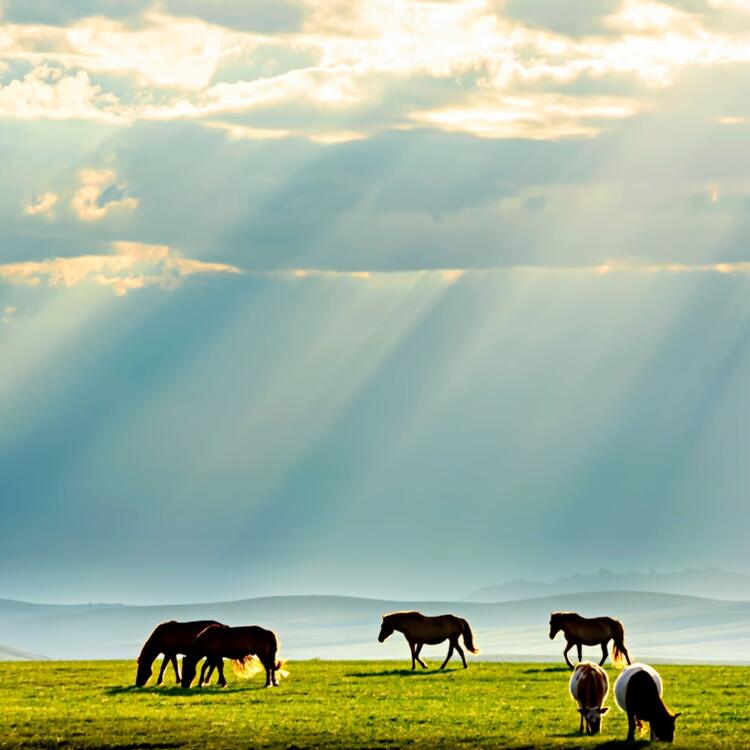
(212, 641)
(638, 689)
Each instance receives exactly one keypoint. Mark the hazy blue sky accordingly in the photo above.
(394, 298)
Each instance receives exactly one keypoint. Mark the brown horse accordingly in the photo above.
(169, 638)
(582, 631)
(419, 629)
(241, 645)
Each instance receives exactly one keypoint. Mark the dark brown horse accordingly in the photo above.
(419, 629)
(169, 638)
(241, 645)
(596, 631)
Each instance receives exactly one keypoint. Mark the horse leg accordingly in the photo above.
(460, 651)
(565, 654)
(450, 653)
(206, 671)
(176, 671)
(163, 667)
(220, 669)
(604, 652)
(416, 654)
(270, 673)
(580, 727)
(579, 648)
(411, 650)
(631, 727)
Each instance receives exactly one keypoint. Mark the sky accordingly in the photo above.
(393, 298)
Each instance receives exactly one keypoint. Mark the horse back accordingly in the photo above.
(237, 642)
(590, 630)
(589, 684)
(430, 629)
(177, 637)
(638, 690)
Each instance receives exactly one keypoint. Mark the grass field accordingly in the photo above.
(348, 704)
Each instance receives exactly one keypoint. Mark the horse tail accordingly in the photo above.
(277, 665)
(619, 652)
(281, 669)
(468, 637)
(246, 667)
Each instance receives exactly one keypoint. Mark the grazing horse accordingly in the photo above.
(169, 638)
(638, 692)
(582, 631)
(589, 686)
(419, 629)
(241, 645)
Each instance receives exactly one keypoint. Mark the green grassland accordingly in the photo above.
(348, 704)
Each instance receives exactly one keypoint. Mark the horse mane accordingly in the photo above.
(404, 613)
(148, 647)
(563, 615)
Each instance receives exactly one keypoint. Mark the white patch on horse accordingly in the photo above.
(621, 686)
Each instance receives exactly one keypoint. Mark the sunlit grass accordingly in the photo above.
(347, 704)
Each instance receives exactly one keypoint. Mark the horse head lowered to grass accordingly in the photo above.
(419, 629)
(242, 645)
(638, 692)
(169, 638)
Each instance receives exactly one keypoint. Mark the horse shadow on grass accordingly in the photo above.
(607, 744)
(544, 670)
(175, 690)
(402, 673)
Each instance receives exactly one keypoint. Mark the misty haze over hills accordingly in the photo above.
(713, 584)
(659, 627)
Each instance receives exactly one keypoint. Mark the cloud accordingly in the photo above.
(161, 50)
(8, 314)
(43, 204)
(648, 16)
(47, 93)
(739, 268)
(537, 116)
(492, 71)
(451, 275)
(132, 265)
(244, 133)
(99, 195)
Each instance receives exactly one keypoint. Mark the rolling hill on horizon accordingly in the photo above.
(706, 583)
(13, 654)
(658, 627)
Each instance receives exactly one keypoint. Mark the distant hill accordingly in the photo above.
(659, 627)
(715, 584)
(13, 654)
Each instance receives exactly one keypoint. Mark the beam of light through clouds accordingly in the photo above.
(318, 291)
